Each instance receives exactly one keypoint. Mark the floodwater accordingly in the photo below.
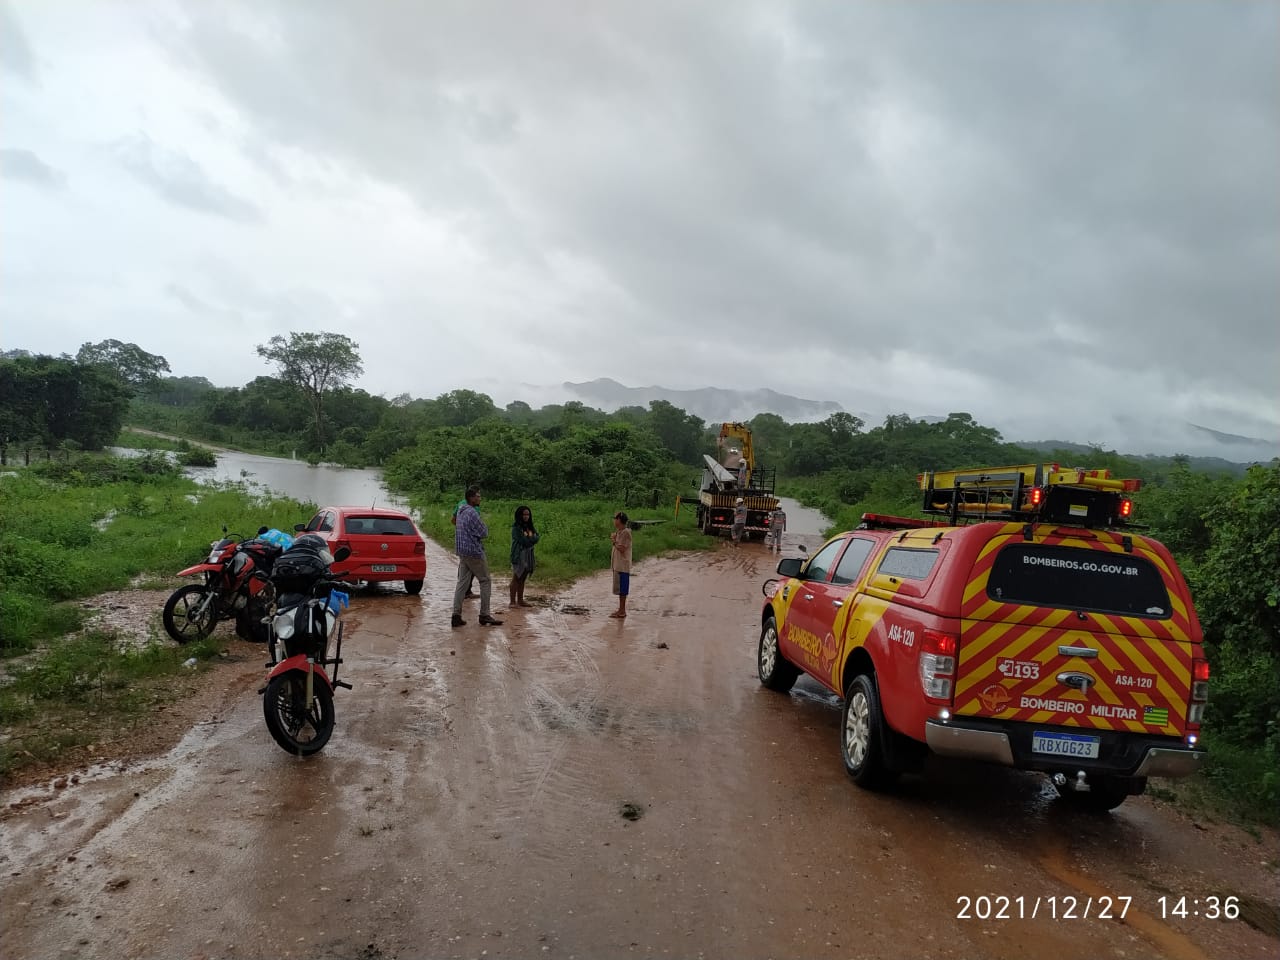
(803, 521)
(322, 485)
(326, 484)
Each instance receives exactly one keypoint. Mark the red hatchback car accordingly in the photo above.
(384, 544)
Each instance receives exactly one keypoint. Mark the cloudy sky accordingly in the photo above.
(1063, 218)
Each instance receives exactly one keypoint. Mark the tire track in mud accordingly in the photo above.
(1172, 945)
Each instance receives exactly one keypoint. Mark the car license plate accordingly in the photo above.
(383, 568)
(1064, 744)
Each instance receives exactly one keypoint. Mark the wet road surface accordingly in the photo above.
(567, 785)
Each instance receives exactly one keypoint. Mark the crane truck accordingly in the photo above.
(734, 473)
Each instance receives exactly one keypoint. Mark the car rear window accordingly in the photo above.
(379, 526)
(1077, 578)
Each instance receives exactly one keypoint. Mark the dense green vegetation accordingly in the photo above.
(574, 466)
(76, 527)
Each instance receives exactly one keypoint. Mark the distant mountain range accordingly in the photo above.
(712, 404)
(1210, 449)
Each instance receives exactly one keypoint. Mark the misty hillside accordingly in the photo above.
(1125, 434)
(711, 404)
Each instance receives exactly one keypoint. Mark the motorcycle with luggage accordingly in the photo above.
(234, 583)
(305, 642)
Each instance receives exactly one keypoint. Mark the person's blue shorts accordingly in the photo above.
(621, 583)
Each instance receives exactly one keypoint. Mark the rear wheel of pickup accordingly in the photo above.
(775, 672)
(862, 733)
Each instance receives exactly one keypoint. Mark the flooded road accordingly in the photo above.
(567, 785)
(321, 485)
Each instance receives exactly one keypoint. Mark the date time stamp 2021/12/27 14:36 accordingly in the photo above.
(1070, 907)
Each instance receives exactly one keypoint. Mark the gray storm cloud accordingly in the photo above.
(1063, 218)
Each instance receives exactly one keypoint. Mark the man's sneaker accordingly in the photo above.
(490, 622)
(459, 622)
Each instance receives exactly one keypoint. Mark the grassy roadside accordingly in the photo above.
(88, 690)
(76, 528)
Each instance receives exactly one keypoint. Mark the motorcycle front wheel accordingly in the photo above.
(284, 705)
(190, 613)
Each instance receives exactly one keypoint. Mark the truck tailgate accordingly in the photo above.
(1117, 675)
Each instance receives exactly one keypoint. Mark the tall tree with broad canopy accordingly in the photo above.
(314, 362)
(134, 366)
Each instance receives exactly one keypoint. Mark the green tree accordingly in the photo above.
(133, 365)
(1237, 596)
(20, 399)
(680, 432)
(315, 363)
(51, 400)
(458, 408)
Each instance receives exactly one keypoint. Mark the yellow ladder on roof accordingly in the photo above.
(1023, 475)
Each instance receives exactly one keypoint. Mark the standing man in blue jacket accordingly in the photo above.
(468, 542)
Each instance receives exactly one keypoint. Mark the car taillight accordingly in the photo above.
(420, 547)
(339, 544)
(1199, 692)
(938, 665)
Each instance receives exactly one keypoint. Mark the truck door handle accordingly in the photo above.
(837, 604)
(1087, 653)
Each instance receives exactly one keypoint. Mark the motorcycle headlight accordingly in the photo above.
(284, 626)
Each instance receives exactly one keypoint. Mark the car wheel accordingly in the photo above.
(413, 587)
(862, 733)
(776, 672)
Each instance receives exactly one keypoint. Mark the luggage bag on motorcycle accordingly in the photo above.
(298, 568)
(264, 553)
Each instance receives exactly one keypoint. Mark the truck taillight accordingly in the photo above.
(938, 665)
(1126, 509)
(1199, 692)
(1037, 496)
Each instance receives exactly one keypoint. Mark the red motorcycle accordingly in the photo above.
(236, 584)
(306, 650)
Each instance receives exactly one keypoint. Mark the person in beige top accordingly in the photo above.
(621, 562)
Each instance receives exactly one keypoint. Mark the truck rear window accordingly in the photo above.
(908, 564)
(1077, 578)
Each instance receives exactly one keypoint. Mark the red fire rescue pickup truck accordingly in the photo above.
(1032, 627)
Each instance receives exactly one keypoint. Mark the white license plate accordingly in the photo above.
(1064, 744)
(383, 568)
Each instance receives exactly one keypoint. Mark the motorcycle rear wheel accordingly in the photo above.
(298, 730)
(187, 616)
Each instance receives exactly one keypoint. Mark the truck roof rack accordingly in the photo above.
(1033, 492)
(885, 521)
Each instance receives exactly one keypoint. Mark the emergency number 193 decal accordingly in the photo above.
(1018, 669)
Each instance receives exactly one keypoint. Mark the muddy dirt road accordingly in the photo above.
(567, 785)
